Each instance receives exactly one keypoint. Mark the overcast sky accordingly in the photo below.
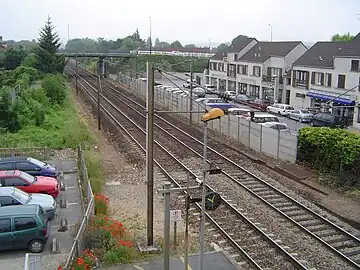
(190, 21)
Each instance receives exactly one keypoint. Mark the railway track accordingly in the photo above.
(335, 238)
(250, 246)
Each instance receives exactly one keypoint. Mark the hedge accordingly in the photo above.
(331, 150)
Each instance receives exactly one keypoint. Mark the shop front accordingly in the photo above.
(342, 106)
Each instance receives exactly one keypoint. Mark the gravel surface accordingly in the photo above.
(290, 235)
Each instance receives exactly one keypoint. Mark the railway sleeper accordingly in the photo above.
(326, 233)
(339, 246)
(337, 240)
(269, 196)
(311, 223)
(352, 253)
(289, 208)
(281, 204)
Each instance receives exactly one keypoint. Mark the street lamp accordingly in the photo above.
(214, 113)
(270, 32)
(150, 45)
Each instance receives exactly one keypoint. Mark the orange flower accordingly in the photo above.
(80, 261)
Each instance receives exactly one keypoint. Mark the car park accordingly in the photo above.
(14, 196)
(301, 115)
(328, 120)
(23, 226)
(29, 165)
(29, 183)
(276, 125)
(281, 109)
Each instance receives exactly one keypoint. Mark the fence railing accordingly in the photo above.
(42, 153)
(33, 261)
(279, 144)
(79, 240)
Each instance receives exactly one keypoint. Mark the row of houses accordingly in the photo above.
(328, 73)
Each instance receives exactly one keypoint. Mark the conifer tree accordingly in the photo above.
(49, 43)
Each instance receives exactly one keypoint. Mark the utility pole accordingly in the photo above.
(150, 152)
(167, 186)
(150, 36)
(98, 102)
(270, 32)
(191, 90)
(203, 197)
(76, 75)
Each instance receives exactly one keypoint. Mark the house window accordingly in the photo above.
(256, 71)
(354, 65)
(242, 69)
(341, 81)
(327, 79)
(300, 75)
(276, 72)
(235, 56)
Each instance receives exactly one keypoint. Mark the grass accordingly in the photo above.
(95, 170)
(62, 129)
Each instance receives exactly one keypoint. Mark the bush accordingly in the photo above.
(101, 205)
(330, 150)
(95, 171)
(55, 88)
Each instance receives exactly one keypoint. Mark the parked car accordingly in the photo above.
(276, 125)
(23, 226)
(227, 95)
(281, 109)
(218, 103)
(29, 183)
(14, 196)
(29, 165)
(242, 99)
(199, 92)
(239, 112)
(210, 89)
(301, 115)
(264, 118)
(260, 104)
(328, 120)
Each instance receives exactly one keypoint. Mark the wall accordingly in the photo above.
(249, 79)
(290, 58)
(282, 145)
(276, 62)
(343, 66)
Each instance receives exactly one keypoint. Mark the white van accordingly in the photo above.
(210, 89)
(264, 118)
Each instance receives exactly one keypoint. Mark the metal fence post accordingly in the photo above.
(261, 137)
(238, 129)
(278, 144)
(249, 134)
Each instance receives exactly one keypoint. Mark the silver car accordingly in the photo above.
(15, 196)
(301, 115)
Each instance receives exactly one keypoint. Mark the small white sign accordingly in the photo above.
(175, 215)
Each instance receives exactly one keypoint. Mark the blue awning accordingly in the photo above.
(344, 101)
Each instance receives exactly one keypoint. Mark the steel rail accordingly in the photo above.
(273, 188)
(286, 254)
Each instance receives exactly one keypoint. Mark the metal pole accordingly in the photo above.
(98, 103)
(76, 85)
(187, 202)
(270, 32)
(150, 45)
(175, 223)
(202, 225)
(191, 89)
(167, 226)
(150, 152)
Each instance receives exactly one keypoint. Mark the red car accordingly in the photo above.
(30, 184)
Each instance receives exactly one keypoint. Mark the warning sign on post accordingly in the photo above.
(175, 215)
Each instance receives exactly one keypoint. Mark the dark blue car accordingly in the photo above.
(29, 165)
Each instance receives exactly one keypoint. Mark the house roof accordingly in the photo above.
(219, 56)
(265, 49)
(351, 49)
(241, 44)
(321, 54)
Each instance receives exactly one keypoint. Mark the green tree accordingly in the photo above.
(55, 88)
(238, 39)
(13, 58)
(176, 44)
(344, 37)
(30, 60)
(222, 47)
(8, 116)
(49, 43)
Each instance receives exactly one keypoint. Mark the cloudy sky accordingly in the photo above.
(190, 21)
